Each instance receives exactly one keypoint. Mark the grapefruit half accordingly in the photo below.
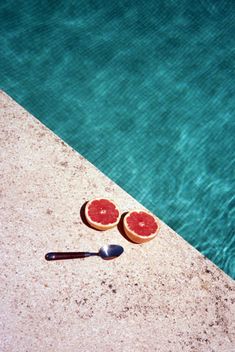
(102, 213)
(140, 226)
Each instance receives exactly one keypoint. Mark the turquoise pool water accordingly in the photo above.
(145, 91)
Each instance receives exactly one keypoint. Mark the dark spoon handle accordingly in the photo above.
(66, 255)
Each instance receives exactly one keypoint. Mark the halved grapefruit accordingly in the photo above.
(102, 214)
(140, 226)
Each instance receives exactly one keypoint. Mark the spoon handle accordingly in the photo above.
(66, 255)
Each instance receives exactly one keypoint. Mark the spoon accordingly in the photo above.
(107, 252)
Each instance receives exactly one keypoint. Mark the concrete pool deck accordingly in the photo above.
(160, 296)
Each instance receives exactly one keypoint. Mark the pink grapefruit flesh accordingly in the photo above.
(140, 226)
(102, 214)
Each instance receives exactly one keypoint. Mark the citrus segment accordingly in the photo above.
(102, 214)
(140, 226)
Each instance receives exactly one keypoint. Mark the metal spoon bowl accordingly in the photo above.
(110, 251)
(106, 252)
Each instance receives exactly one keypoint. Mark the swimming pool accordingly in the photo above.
(145, 91)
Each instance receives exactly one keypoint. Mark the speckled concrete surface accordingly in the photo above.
(160, 296)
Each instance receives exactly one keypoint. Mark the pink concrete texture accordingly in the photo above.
(159, 296)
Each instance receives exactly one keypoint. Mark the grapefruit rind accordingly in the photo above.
(132, 235)
(97, 225)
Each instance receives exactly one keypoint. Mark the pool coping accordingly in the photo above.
(160, 296)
